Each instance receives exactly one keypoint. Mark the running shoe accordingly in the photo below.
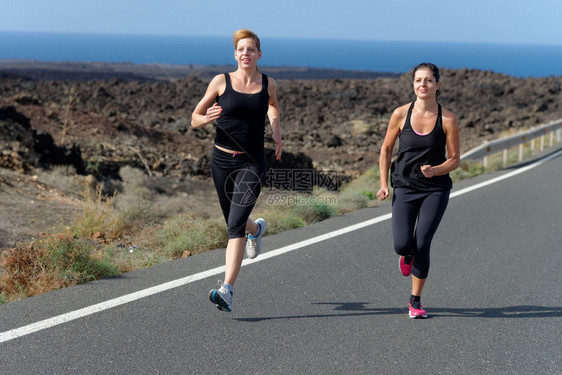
(253, 244)
(416, 310)
(222, 297)
(406, 268)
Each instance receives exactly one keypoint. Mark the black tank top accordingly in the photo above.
(416, 150)
(241, 125)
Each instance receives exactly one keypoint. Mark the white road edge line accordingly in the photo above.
(89, 310)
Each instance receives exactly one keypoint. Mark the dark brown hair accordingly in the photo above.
(431, 67)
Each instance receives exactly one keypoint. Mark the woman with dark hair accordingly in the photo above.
(239, 102)
(428, 151)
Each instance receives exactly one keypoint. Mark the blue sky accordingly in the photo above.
(494, 21)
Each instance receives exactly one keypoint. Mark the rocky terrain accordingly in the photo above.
(99, 118)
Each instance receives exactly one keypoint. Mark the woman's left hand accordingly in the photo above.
(278, 148)
(427, 171)
(383, 193)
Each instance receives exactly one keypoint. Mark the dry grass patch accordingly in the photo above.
(48, 264)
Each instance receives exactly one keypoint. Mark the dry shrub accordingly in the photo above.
(56, 262)
(136, 187)
(136, 218)
(135, 180)
(63, 178)
(98, 215)
(23, 274)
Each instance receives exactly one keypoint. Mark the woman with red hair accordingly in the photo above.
(239, 102)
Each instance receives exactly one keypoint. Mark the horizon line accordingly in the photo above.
(326, 39)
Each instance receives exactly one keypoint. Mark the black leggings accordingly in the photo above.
(238, 181)
(415, 218)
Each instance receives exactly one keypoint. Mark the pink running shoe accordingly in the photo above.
(416, 310)
(406, 268)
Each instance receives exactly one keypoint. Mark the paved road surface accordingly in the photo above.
(334, 306)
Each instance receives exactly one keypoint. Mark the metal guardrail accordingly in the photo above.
(489, 148)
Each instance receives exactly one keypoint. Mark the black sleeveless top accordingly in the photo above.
(241, 125)
(416, 150)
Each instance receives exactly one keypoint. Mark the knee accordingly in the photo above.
(236, 231)
(403, 247)
(423, 246)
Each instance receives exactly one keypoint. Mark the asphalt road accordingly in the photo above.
(334, 305)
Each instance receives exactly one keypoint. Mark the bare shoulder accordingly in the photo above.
(401, 112)
(218, 80)
(448, 115)
(217, 85)
(450, 122)
(397, 119)
(272, 88)
(271, 82)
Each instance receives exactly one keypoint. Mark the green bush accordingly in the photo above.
(70, 260)
(195, 235)
(312, 210)
(136, 217)
(351, 201)
(466, 170)
(281, 219)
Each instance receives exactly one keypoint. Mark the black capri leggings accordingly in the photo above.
(238, 181)
(415, 218)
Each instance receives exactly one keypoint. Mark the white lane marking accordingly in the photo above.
(89, 310)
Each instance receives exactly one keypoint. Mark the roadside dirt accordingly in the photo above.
(29, 207)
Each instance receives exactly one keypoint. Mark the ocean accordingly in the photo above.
(522, 60)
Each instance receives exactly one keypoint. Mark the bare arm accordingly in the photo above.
(207, 110)
(394, 127)
(273, 115)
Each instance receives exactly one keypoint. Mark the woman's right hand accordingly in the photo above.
(382, 194)
(213, 112)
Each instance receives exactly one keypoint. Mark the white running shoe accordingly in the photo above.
(253, 244)
(222, 297)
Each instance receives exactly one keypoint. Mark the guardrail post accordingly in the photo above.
(486, 149)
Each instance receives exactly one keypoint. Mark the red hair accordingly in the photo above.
(243, 34)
